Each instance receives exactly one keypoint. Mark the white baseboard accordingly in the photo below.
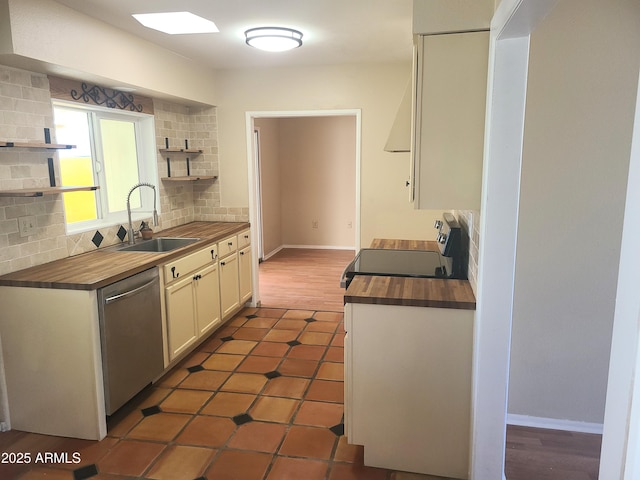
(554, 424)
(311, 247)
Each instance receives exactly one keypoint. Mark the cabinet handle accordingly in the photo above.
(246, 236)
(173, 272)
(197, 277)
(230, 244)
(213, 255)
(223, 263)
(241, 253)
(407, 183)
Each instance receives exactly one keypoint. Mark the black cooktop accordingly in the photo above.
(400, 263)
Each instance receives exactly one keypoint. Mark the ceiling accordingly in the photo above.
(335, 31)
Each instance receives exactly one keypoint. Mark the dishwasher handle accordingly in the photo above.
(120, 296)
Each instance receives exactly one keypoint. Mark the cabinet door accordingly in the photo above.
(244, 272)
(451, 85)
(181, 324)
(229, 286)
(207, 293)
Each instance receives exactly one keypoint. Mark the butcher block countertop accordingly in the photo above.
(93, 270)
(409, 291)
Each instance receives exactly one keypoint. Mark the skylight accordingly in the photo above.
(176, 23)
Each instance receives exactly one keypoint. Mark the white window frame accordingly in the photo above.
(147, 166)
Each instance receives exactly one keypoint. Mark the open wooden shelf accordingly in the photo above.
(190, 178)
(41, 191)
(42, 146)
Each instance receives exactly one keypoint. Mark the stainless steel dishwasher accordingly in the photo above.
(131, 336)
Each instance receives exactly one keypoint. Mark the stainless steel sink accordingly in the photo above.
(158, 245)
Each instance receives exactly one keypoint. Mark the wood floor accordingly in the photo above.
(306, 279)
(309, 279)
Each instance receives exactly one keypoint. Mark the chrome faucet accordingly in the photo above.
(131, 233)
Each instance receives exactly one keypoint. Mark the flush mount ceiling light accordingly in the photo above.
(273, 39)
(176, 23)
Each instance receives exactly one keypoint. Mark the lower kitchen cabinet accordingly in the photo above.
(207, 295)
(411, 406)
(244, 273)
(181, 324)
(229, 289)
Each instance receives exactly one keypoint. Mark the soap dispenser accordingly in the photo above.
(146, 231)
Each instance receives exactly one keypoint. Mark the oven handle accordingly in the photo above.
(120, 296)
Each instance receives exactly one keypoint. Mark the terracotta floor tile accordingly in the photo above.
(247, 311)
(271, 312)
(334, 354)
(130, 457)
(285, 468)
(319, 414)
(326, 391)
(92, 453)
(327, 327)
(223, 361)
(242, 347)
(298, 368)
(244, 383)
(210, 345)
(122, 422)
(338, 340)
(282, 336)
(291, 387)
(256, 364)
(340, 328)
(196, 358)
(260, 322)
(330, 371)
(307, 352)
(329, 316)
(271, 349)
(235, 465)
(290, 324)
(256, 334)
(226, 331)
(185, 401)
(258, 436)
(173, 378)
(204, 380)
(181, 463)
(39, 473)
(161, 427)
(308, 442)
(274, 409)
(315, 338)
(151, 396)
(349, 453)
(353, 471)
(238, 321)
(226, 404)
(302, 314)
(207, 431)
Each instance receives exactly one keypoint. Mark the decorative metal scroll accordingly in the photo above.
(106, 96)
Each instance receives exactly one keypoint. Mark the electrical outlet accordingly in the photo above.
(314, 223)
(27, 225)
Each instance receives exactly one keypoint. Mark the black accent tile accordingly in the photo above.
(294, 343)
(338, 429)
(309, 320)
(147, 412)
(122, 232)
(273, 374)
(252, 316)
(85, 472)
(195, 368)
(226, 339)
(242, 419)
(97, 239)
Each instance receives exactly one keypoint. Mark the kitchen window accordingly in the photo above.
(114, 150)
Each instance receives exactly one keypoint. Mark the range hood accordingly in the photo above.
(400, 136)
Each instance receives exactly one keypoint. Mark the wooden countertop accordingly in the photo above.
(409, 291)
(92, 270)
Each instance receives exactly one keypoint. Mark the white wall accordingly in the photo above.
(375, 89)
(581, 95)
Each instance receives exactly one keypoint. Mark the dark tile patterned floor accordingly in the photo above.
(262, 398)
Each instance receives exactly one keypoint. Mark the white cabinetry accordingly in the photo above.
(451, 84)
(192, 298)
(229, 288)
(235, 272)
(244, 267)
(410, 407)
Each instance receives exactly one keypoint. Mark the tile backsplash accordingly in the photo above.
(26, 109)
(470, 222)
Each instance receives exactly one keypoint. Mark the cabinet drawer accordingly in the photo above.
(184, 265)
(227, 246)
(244, 239)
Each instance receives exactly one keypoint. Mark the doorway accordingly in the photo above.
(304, 182)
